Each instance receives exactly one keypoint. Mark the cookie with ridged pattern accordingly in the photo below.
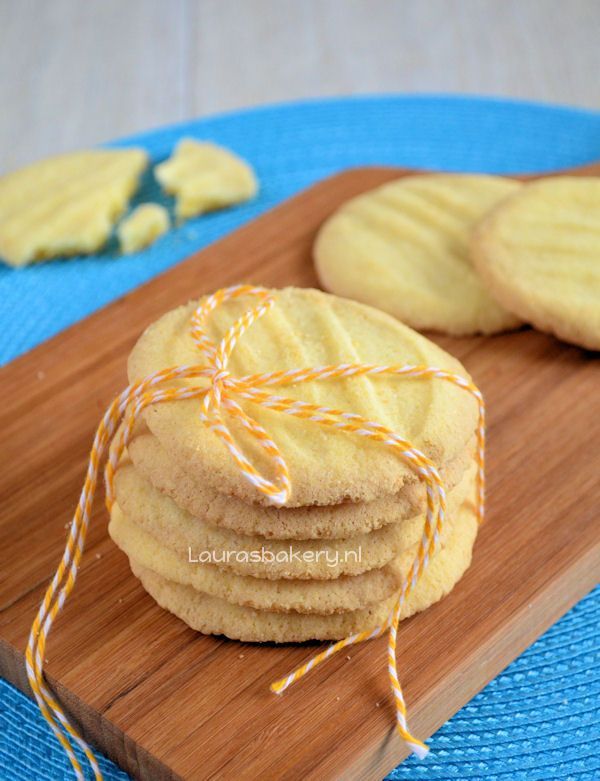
(66, 205)
(308, 328)
(404, 248)
(539, 253)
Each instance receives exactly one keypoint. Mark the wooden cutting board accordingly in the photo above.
(165, 702)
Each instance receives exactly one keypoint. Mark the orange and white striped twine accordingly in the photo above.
(217, 393)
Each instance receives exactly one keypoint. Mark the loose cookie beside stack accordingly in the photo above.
(538, 252)
(404, 248)
(206, 544)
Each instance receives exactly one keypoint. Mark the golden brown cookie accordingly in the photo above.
(539, 253)
(404, 248)
(309, 328)
(302, 596)
(336, 521)
(211, 615)
(186, 535)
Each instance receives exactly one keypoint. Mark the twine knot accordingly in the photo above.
(219, 382)
(220, 394)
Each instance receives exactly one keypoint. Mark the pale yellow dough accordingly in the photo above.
(309, 328)
(203, 177)
(404, 248)
(142, 227)
(66, 205)
(178, 531)
(212, 615)
(539, 253)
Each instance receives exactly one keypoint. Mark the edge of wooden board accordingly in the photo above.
(544, 610)
(576, 579)
(467, 679)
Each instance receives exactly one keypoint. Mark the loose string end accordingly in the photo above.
(418, 748)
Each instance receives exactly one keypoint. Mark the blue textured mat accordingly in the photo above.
(540, 719)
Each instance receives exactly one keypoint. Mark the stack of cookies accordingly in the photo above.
(208, 546)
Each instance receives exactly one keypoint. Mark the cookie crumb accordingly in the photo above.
(348, 658)
(98, 555)
(41, 375)
(240, 656)
(142, 227)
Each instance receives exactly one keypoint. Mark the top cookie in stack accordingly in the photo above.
(356, 511)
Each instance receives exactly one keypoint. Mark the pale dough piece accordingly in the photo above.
(309, 328)
(183, 533)
(335, 521)
(211, 615)
(539, 253)
(142, 227)
(203, 177)
(66, 205)
(404, 248)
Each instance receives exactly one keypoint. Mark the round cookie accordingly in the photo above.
(309, 328)
(302, 596)
(211, 615)
(539, 253)
(404, 248)
(337, 521)
(178, 531)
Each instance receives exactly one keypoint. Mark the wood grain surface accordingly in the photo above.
(165, 702)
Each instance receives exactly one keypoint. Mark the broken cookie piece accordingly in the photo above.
(142, 227)
(66, 205)
(203, 177)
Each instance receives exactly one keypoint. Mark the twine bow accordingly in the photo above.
(218, 392)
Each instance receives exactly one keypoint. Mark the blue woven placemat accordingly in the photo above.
(540, 719)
